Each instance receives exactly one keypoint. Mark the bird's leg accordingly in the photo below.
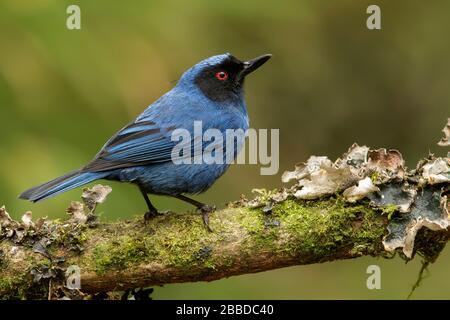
(152, 211)
(204, 208)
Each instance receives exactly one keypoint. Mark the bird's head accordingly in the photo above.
(221, 78)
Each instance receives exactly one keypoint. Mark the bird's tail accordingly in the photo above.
(59, 185)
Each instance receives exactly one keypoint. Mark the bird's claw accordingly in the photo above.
(150, 215)
(206, 210)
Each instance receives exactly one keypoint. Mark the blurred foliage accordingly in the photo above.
(331, 82)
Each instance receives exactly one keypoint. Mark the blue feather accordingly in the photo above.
(141, 152)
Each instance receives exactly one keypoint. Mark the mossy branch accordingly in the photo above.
(176, 247)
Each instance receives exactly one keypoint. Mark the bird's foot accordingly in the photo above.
(150, 215)
(206, 210)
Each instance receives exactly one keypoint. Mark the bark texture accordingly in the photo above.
(177, 248)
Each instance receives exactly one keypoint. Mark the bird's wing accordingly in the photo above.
(139, 143)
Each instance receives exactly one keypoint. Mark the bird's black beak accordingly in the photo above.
(252, 65)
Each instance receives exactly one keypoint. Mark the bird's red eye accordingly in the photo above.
(222, 75)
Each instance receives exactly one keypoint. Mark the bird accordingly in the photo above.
(210, 92)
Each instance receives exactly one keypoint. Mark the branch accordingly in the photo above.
(177, 248)
(334, 211)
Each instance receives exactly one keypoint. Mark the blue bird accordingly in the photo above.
(141, 152)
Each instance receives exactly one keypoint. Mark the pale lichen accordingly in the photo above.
(381, 176)
(445, 141)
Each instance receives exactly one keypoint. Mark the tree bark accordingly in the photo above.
(175, 248)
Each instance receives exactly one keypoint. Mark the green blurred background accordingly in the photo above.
(331, 82)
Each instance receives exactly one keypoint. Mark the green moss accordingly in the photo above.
(3, 260)
(374, 177)
(251, 220)
(320, 228)
(313, 228)
(7, 288)
(119, 254)
(388, 210)
(310, 229)
(167, 243)
(21, 287)
(72, 237)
